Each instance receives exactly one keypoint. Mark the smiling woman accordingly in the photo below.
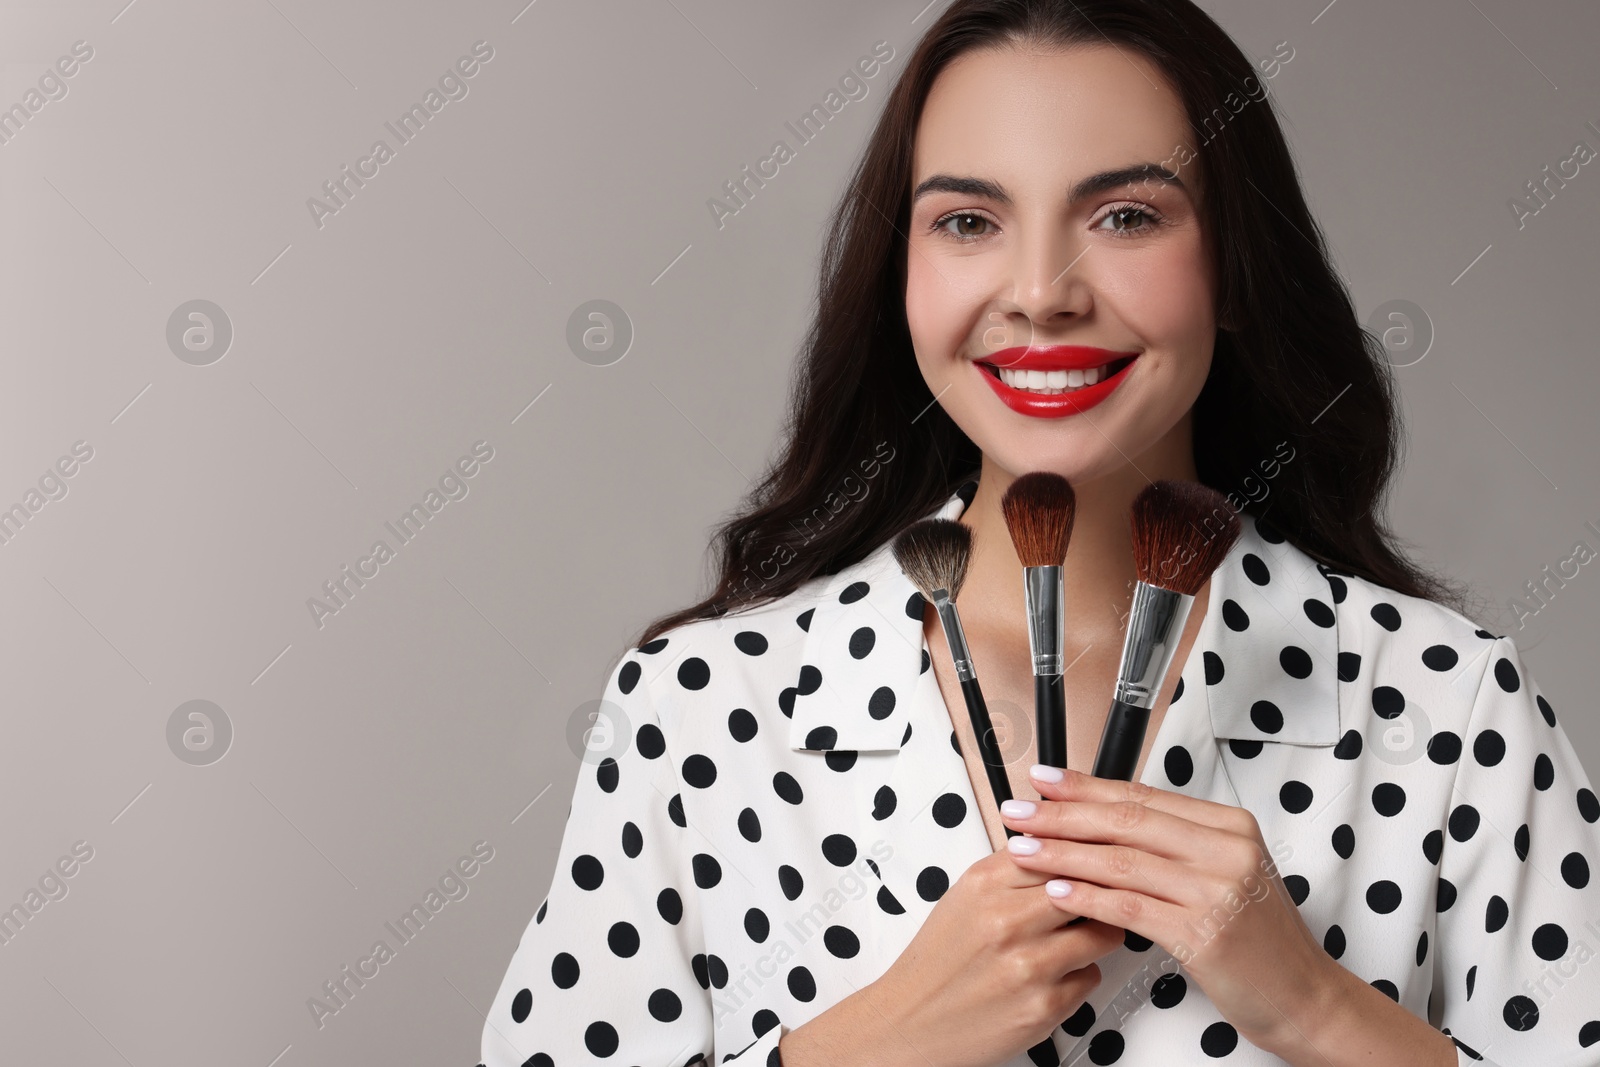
(1356, 832)
(1007, 254)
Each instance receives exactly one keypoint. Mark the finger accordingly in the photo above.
(1164, 923)
(1113, 866)
(1043, 915)
(1125, 822)
(1074, 948)
(1076, 785)
(1039, 914)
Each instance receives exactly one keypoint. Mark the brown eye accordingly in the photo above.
(967, 225)
(1130, 219)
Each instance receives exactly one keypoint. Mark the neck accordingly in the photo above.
(1098, 574)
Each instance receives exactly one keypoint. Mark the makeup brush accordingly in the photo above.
(1181, 533)
(1038, 509)
(934, 554)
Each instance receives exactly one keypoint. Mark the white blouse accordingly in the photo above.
(782, 802)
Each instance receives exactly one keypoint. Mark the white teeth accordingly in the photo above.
(1053, 381)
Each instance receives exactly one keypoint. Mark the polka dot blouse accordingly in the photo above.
(784, 802)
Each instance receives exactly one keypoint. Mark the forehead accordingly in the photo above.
(1023, 114)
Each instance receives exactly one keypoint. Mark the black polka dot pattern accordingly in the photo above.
(783, 801)
(1280, 614)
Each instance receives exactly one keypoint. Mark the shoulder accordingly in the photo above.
(1419, 658)
(747, 661)
(853, 637)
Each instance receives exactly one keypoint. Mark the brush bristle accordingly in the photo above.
(1039, 508)
(1181, 533)
(934, 554)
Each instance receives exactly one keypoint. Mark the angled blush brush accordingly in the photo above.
(1039, 508)
(1181, 533)
(934, 554)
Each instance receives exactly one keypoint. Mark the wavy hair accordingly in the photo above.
(866, 450)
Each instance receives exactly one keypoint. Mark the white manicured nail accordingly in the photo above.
(1023, 846)
(1019, 809)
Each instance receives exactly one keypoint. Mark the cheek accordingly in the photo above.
(1168, 302)
(938, 317)
(932, 296)
(922, 303)
(946, 294)
(1166, 294)
(1188, 311)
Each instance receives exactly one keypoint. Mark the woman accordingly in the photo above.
(1356, 826)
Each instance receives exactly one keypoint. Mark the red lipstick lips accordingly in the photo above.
(1078, 358)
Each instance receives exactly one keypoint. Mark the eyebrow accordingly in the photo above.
(1138, 173)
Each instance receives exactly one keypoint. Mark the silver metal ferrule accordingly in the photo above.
(1044, 591)
(1155, 625)
(954, 634)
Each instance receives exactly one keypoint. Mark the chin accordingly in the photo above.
(1142, 420)
(1079, 460)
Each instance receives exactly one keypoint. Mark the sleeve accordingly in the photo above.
(1518, 906)
(613, 966)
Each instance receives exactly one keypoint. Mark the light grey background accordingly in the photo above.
(369, 354)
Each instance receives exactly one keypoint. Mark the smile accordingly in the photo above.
(1056, 381)
(1050, 382)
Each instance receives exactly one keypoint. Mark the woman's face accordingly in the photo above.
(1006, 264)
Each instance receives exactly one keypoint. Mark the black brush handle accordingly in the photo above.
(1050, 719)
(1050, 714)
(1120, 746)
(1121, 741)
(988, 747)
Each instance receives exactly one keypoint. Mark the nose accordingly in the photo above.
(1051, 277)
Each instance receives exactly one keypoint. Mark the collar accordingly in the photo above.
(1268, 643)
(1263, 669)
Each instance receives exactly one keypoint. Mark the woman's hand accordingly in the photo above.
(991, 972)
(1190, 875)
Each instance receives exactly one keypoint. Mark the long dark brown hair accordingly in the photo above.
(866, 450)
